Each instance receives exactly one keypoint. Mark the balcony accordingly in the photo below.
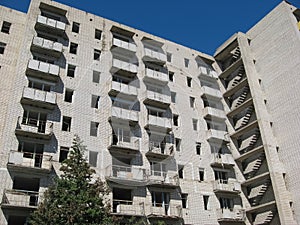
(124, 114)
(34, 128)
(204, 71)
(163, 179)
(124, 144)
(208, 91)
(38, 98)
(21, 199)
(157, 99)
(48, 24)
(227, 186)
(130, 208)
(160, 150)
(217, 135)
(222, 160)
(165, 211)
(43, 70)
(212, 113)
(127, 45)
(126, 175)
(123, 65)
(126, 89)
(33, 162)
(158, 122)
(156, 76)
(231, 215)
(45, 46)
(154, 56)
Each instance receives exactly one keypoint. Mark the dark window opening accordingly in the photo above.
(5, 27)
(69, 95)
(184, 200)
(63, 153)
(75, 27)
(73, 48)
(180, 171)
(96, 77)
(171, 76)
(98, 34)
(175, 120)
(97, 54)
(95, 101)
(71, 71)
(66, 123)
(189, 81)
(94, 129)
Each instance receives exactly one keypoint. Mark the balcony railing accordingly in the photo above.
(227, 186)
(154, 56)
(55, 25)
(125, 142)
(217, 135)
(54, 48)
(43, 69)
(163, 178)
(124, 44)
(210, 112)
(208, 72)
(125, 207)
(30, 160)
(231, 215)
(166, 210)
(160, 149)
(211, 92)
(222, 159)
(20, 199)
(159, 98)
(123, 65)
(39, 98)
(157, 75)
(123, 88)
(34, 128)
(126, 172)
(125, 114)
(159, 122)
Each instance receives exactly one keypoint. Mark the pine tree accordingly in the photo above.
(75, 198)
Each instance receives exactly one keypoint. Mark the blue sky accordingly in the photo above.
(201, 25)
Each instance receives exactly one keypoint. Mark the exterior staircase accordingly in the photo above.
(263, 218)
(252, 167)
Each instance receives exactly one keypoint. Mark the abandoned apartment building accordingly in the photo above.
(179, 135)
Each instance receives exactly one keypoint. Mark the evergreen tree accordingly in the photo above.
(75, 198)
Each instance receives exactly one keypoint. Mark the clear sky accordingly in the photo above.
(201, 25)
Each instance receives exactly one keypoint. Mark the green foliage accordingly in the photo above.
(75, 198)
